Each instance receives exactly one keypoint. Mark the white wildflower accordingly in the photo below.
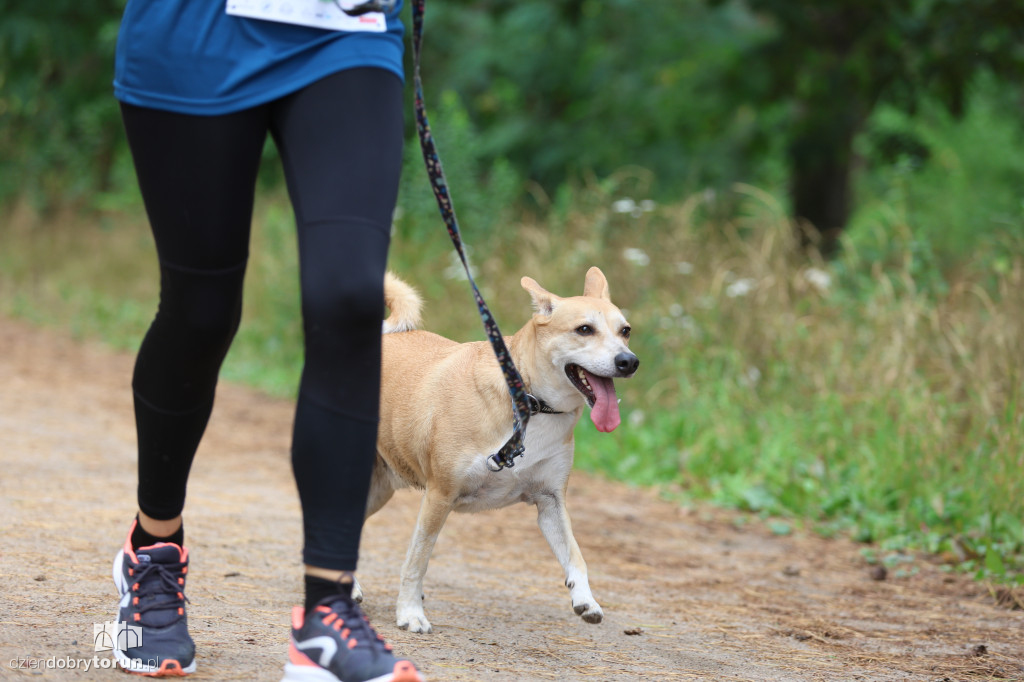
(636, 418)
(688, 325)
(636, 256)
(675, 310)
(740, 287)
(684, 268)
(626, 205)
(818, 278)
(751, 376)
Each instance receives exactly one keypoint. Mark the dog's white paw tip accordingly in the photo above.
(590, 613)
(417, 624)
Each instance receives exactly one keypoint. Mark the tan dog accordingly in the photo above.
(445, 409)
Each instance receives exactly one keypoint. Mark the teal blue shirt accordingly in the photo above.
(191, 57)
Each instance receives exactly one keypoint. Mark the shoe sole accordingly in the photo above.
(170, 667)
(312, 673)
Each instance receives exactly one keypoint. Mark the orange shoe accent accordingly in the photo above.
(331, 617)
(128, 542)
(296, 657)
(406, 672)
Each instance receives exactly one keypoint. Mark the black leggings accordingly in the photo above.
(340, 141)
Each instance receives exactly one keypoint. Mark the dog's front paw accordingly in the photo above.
(589, 611)
(413, 620)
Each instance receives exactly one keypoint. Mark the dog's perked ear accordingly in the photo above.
(544, 301)
(596, 285)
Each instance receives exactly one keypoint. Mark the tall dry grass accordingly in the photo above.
(877, 395)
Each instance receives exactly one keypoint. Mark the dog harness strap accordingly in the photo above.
(520, 403)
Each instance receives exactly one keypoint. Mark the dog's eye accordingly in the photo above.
(625, 331)
(584, 330)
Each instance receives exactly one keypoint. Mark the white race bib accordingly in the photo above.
(316, 13)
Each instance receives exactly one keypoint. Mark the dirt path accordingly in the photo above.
(710, 600)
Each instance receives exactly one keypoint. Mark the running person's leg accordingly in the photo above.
(341, 145)
(197, 177)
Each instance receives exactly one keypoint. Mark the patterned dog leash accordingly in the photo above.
(521, 401)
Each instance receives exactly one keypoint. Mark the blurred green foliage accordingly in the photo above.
(699, 93)
(59, 126)
(831, 63)
(575, 86)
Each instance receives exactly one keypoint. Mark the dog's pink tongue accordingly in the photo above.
(605, 412)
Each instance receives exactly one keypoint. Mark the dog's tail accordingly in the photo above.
(403, 302)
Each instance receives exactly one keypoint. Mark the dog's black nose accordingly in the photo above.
(626, 363)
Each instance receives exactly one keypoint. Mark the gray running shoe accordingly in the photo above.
(153, 639)
(336, 643)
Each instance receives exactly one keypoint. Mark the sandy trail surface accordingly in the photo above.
(687, 593)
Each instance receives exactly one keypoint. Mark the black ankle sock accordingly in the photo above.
(318, 589)
(140, 538)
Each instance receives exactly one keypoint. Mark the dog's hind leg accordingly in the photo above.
(553, 519)
(434, 512)
(381, 490)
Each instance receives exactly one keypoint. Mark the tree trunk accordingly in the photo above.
(821, 158)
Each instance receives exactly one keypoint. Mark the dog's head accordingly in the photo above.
(583, 345)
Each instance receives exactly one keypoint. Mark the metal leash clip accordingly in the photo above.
(385, 6)
(505, 458)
